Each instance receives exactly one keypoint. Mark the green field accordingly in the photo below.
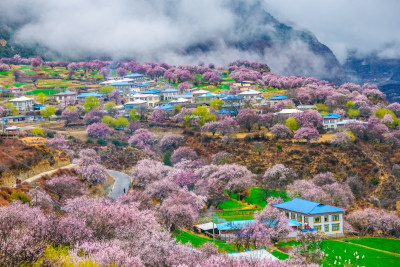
(199, 240)
(257, 197)
(346, 254)
(280, 255)
(231, 204)
(390, 245)
(44, 91)
(24, 67)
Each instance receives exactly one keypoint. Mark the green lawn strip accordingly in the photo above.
(24, 67)
(288, 244)
(31, 72)
(231, 204)
(199, 240)
(277, 193)
(236, 217)
(5, 72)
(280, 255)
(44, 91)
(54, 73)
(385, 244)
(342, 252)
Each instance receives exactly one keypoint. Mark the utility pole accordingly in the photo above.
(34, 185)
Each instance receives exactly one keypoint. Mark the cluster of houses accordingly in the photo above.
(142, 94)
(302, 215)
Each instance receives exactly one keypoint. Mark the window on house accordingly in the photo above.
(326, 227)
(306, 219)
(335, 227)
(317, 219)
(318, 228)
(287, 214)
(335, 217)
(293, 216)
(326, 218)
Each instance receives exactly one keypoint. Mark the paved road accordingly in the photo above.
(34, 178)
(121, 181)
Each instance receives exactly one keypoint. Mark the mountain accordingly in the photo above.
(373, 69)
(252, 33)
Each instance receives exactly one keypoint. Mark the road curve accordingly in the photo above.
(121, 181)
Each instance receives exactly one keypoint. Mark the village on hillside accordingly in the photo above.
(230, 163)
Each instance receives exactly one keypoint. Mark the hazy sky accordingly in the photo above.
(153, 28)
(365, 25)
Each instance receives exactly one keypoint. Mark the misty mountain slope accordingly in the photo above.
(372, 69)
(183, 32)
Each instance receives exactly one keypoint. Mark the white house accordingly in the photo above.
(251, 95)
(169, 94)
(314, 216)
(60, 97)
(331, 121)
(23, 103)
(151, 99)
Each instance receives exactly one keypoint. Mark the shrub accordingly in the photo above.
(101, 141)
(37, 132)
(279, 147)
(172, 141)
(50, 135)
(183, 153)
(97, 130)
(167, 159)
(70, 137)
(89, 140)
(374, 181)
(19, 196)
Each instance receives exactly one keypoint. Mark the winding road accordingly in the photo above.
(122, 181)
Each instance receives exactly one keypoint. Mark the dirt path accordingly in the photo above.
(36, 177)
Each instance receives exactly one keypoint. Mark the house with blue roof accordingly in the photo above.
(123, 86)
(82, 97)
(272, 101)
(135, 76)
(331, 121)
(313, 215)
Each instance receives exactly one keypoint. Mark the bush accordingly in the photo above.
(374, 181)
(115, 142)
(167, 159)
(102, 141)
(20, 196)
(50, 135)
(279, 147)
(89, 140)
(70, 137)
(37, 132)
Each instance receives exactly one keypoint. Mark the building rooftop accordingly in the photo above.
(236, 225)
(307, 207)
(67, 92)
(121, 83)
(332, 116)
(306, 106)
(170, 90)
(278, 97)
(250, 92)
(22, 98)
(288, 111)
(90, 94)
(152, 91)
(134, 75)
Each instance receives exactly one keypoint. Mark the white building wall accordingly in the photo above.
(312, 223)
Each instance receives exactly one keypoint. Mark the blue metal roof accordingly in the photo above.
(332, 116)
(4, 90)
(237, 225)
(90, 94)
(133, 75)
(170, 90)
(187, 93)
(152, 91)
(140, 84)
(278, 97)
(226, 111)
(232, 97)
(208, 95)
(307, 206)
(233, 225)
(293, 222)
(121, 83)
